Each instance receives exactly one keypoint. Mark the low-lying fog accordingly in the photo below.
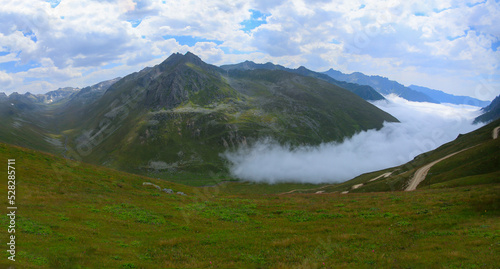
(423, 127)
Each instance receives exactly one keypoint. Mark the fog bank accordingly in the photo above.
(423, 127)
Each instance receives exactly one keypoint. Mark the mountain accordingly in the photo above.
(382, 85)
(22, 122)
(364, 91)
(177, 117)
(183, 113)
(33, 120)
(443, 97)
(49, 97)
(491, 112)
(87, 94)
(57, 95)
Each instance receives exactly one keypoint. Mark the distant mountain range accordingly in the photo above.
(412, 93)
(180, 115)
(443, 97)
(47, 98)
(364, 91)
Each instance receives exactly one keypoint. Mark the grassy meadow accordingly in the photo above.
(76, 215)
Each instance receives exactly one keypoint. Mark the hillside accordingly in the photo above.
(363, 91)
(74, 215)
(490, 112)
(35, 121)
(23, 123)
(382, 85)
(179, 116)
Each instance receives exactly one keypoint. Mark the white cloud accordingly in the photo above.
(435, 38)
(5, 79)
(423, 127)
(11, 57)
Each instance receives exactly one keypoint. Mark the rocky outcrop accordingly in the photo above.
(168, 191)
(151, 184)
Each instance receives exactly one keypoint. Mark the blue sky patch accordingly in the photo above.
(135, 23)
(190, 40)
(53, 3)
(335, 41)
(31, 35)
(256, 19)
(14, 67)
(362, 6)
(439, 10)
(111, 65)
(228, 50)
(419, 14)
(475, 4)
(495, 45)
(451, 38)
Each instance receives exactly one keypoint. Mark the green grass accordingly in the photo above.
(482, 159)
(85, 216)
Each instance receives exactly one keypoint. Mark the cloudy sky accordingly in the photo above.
(450, 45)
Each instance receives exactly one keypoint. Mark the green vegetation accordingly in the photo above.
(77, 215)
(491, 112)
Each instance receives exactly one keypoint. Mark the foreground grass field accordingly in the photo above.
(75, 215)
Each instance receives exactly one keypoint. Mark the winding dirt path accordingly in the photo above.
(422, 172)
(317, 192)
(383, 175)
(356, 186)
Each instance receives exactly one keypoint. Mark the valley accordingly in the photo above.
(249, 134)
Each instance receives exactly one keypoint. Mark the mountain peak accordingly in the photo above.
(177, 58)
(333, 71)
(191, 57)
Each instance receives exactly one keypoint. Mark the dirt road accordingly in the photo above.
(292, 191)
(383, 175)
(422, 172)
(495, 132)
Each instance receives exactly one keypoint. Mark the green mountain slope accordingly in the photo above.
(37, 121)
(491, 112)
(181, 115)
(364, 91)
(76, 215)
(24, 121)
